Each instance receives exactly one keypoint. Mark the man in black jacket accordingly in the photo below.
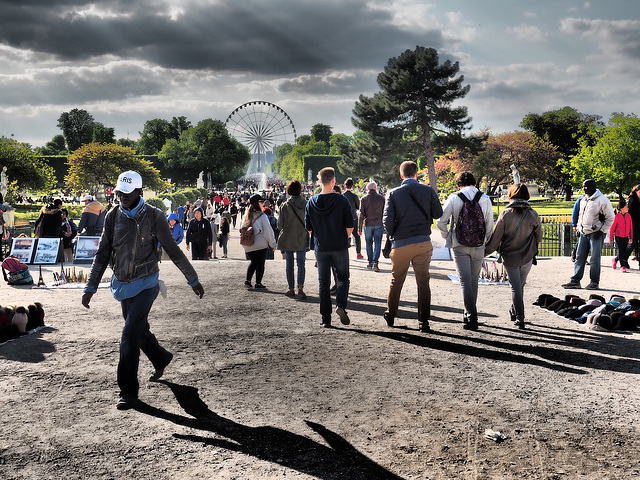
(129, 242)
(408, 213)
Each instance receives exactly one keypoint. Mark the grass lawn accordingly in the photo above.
(544, 207)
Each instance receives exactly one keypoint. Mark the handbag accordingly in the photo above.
(386, 250)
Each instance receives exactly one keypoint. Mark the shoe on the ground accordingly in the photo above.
(360, 256)
(520, 324)
(388, 318)
(333, 290)
(375, 267)
(301, 294)
(571, 284)
(512, 314)
(159, 371)
(259, 286)
(423, 325)
(344, 318)
(470, 325)
(623, 269)
(369, 266)
(127, 403)
(290, 293)
(326, 322)
(215, 258)
(614, 263)
(247, 284)
(592, 286)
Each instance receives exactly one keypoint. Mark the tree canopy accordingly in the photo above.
(614, 161)
(77, 128)
(563, 128)
(535, 159)
(25, 171)
(156, 132)
(414, 104)
(95, 165)
(207, 147)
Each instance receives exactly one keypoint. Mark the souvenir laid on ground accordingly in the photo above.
(492, 273)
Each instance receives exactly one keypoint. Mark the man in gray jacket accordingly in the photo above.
(594, 221)
(408, 213)
(129, 243)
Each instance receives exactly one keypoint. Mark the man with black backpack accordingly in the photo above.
(466, 225)
(408, 213)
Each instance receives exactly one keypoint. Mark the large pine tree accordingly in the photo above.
(413, 106)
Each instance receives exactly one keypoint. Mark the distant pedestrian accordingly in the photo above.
(370, 218)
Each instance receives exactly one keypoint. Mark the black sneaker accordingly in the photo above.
(572, 285)
(470, 325)
(423, 326)
(344, 318)
(158, 372)
(247, 284)
(592, 286)
(388, 318)
(259, 286)
(127, 403)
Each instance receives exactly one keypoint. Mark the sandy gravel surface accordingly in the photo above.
(258, 389)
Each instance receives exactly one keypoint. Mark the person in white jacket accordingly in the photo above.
(468, 260)
(594, 221)
(263, 240)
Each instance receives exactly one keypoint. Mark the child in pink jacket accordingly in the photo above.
(622, 231)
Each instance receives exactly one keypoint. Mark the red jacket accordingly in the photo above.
(622, 226)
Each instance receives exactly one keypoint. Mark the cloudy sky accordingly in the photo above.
(127, 62)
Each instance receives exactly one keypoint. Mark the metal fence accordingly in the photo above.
(559, 238)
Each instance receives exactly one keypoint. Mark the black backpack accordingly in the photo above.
(470, 227)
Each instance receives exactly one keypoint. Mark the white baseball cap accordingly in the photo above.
(87, 197)
(128, 181)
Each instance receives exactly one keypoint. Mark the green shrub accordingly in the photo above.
(156, 202)
(178, 199)
(188, 193)
(203, 192)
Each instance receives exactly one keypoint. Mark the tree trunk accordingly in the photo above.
(428, 155)
(568, 192)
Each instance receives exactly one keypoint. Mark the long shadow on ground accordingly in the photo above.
(337, 461)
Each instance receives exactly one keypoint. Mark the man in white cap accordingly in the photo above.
(371, 208)
(92, 218)
(129, 241)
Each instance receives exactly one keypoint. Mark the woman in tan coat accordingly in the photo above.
(516, 237)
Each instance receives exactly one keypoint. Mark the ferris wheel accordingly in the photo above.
(260, 126)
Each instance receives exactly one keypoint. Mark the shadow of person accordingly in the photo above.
(339, 459)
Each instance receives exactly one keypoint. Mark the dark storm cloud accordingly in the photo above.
(259, 36)
(79, 85)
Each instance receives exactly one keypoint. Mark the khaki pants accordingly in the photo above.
(418, 255)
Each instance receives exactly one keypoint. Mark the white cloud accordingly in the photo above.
(612, 37)
(528, 33)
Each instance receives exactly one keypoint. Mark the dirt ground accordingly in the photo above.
(258, 390)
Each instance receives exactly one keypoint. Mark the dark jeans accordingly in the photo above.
(199, 251)
(340, 261)
(373, 239)
(136, 336)
(357, 239)
(256, 265)
(300, 262)
(624, 250)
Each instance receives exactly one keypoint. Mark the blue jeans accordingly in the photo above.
(300, 262)
(339, 260)
(136, 336)
(595, 242)
(373, 239)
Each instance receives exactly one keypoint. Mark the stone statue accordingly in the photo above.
(200, 181)
(516, 174)
(310, 176)
(3, 182)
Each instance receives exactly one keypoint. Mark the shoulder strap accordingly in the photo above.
(297, 216)
(477, 197)
(426, 216)
(517, 226)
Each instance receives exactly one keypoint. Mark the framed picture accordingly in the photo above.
(22, 248)
(86, 248)
(47, 250)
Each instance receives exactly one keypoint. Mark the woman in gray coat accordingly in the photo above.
(294, 237)
(516, 237)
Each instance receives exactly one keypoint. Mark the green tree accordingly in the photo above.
(614, 161)
(563, 128)
(535, 159)
(321, 133)
(156, 132)
(77, 128)
(56, 146)
(292, 165)
(25, 171)
(127, 142)
(415, 103)
(96, 165)
(207, 147)
(102, 134)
